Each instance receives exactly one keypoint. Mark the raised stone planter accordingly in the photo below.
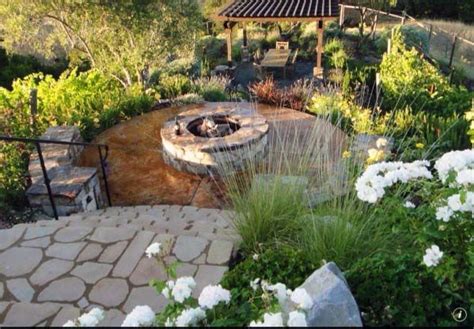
(74, 189)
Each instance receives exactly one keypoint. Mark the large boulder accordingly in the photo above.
(334, 305)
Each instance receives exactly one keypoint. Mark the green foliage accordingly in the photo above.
(413, 36)
(470, 119)
(172, 86)
(15, 66)
(87, 100)
(335, 52)
(397, 288)
(282, 264)
(119, 38)
(408, 80)
(212, 89)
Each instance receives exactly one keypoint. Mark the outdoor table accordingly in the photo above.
(276, 58)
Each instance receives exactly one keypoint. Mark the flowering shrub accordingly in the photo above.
(281, 305)
(433, 266)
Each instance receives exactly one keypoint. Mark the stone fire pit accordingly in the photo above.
(199, 141)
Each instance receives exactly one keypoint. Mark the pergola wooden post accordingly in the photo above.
(228, 30)
(318, 70)
(280, 11)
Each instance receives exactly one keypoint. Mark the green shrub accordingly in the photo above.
(277, 265)
(87, 100)
(409, 80)
(212, 89)
(14, 66)
(172, 86)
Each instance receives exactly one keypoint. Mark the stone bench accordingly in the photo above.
(75, 189)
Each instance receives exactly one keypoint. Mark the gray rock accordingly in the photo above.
(334, 305)
(63, 290)
(91, 272)
(37, 243)
(67, 251)
(28, 315)
(19, 261)
(71, 234)
(9, 237)
(109, 292)
(50, 270)
(188, 248)
(21, 289)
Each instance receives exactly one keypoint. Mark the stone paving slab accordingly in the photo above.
(51, 271)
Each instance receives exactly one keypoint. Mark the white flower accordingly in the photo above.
(255, 257)
(92, 318)
(456, 162)
(444, 214)
(213, 295)
(409, 204)
(280, 291)
(153, 249)
(183, 288)
(301, 298)
(169, 323)
(297, 319)
(190, 317)
(141, 316)
(254, 284)
(370, 186)
(381, 142)
(432, 256)
(70, 323)
(269, 320)
(454, 202)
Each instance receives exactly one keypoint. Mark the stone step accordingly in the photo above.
(212, 224)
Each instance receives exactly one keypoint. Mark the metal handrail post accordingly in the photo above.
(46, 180)
(104, 173)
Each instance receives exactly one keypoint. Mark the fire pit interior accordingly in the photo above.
(213, 126)
(199, 142)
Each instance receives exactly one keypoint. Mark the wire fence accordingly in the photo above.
(454, 52)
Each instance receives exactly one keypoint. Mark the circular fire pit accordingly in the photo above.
(199, 141)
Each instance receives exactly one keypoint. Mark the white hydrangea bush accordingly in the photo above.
(455, 173)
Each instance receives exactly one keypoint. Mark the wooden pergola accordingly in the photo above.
(243, 11)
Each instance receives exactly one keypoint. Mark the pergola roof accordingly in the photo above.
(279, 10)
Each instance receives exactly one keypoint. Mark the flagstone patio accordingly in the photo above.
(51, 271)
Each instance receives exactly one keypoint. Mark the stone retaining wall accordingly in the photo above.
(75, 189)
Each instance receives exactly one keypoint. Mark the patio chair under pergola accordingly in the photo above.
(262, 11)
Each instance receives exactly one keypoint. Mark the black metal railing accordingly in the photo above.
(37, 142)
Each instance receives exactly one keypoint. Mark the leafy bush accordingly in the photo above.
(413, 36)
(407, 287)
(296, 96)
(408, 80)
(87, 100)
(172, 86)
(212, 89)
(282, 264)
(16, 66)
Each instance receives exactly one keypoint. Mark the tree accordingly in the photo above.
(120, 38)
(364, 13)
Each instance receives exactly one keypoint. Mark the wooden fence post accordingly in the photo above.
(376, 19)
(389, 46)
(453, 49)
(404, 18)
(342, 16)
(429, 37)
